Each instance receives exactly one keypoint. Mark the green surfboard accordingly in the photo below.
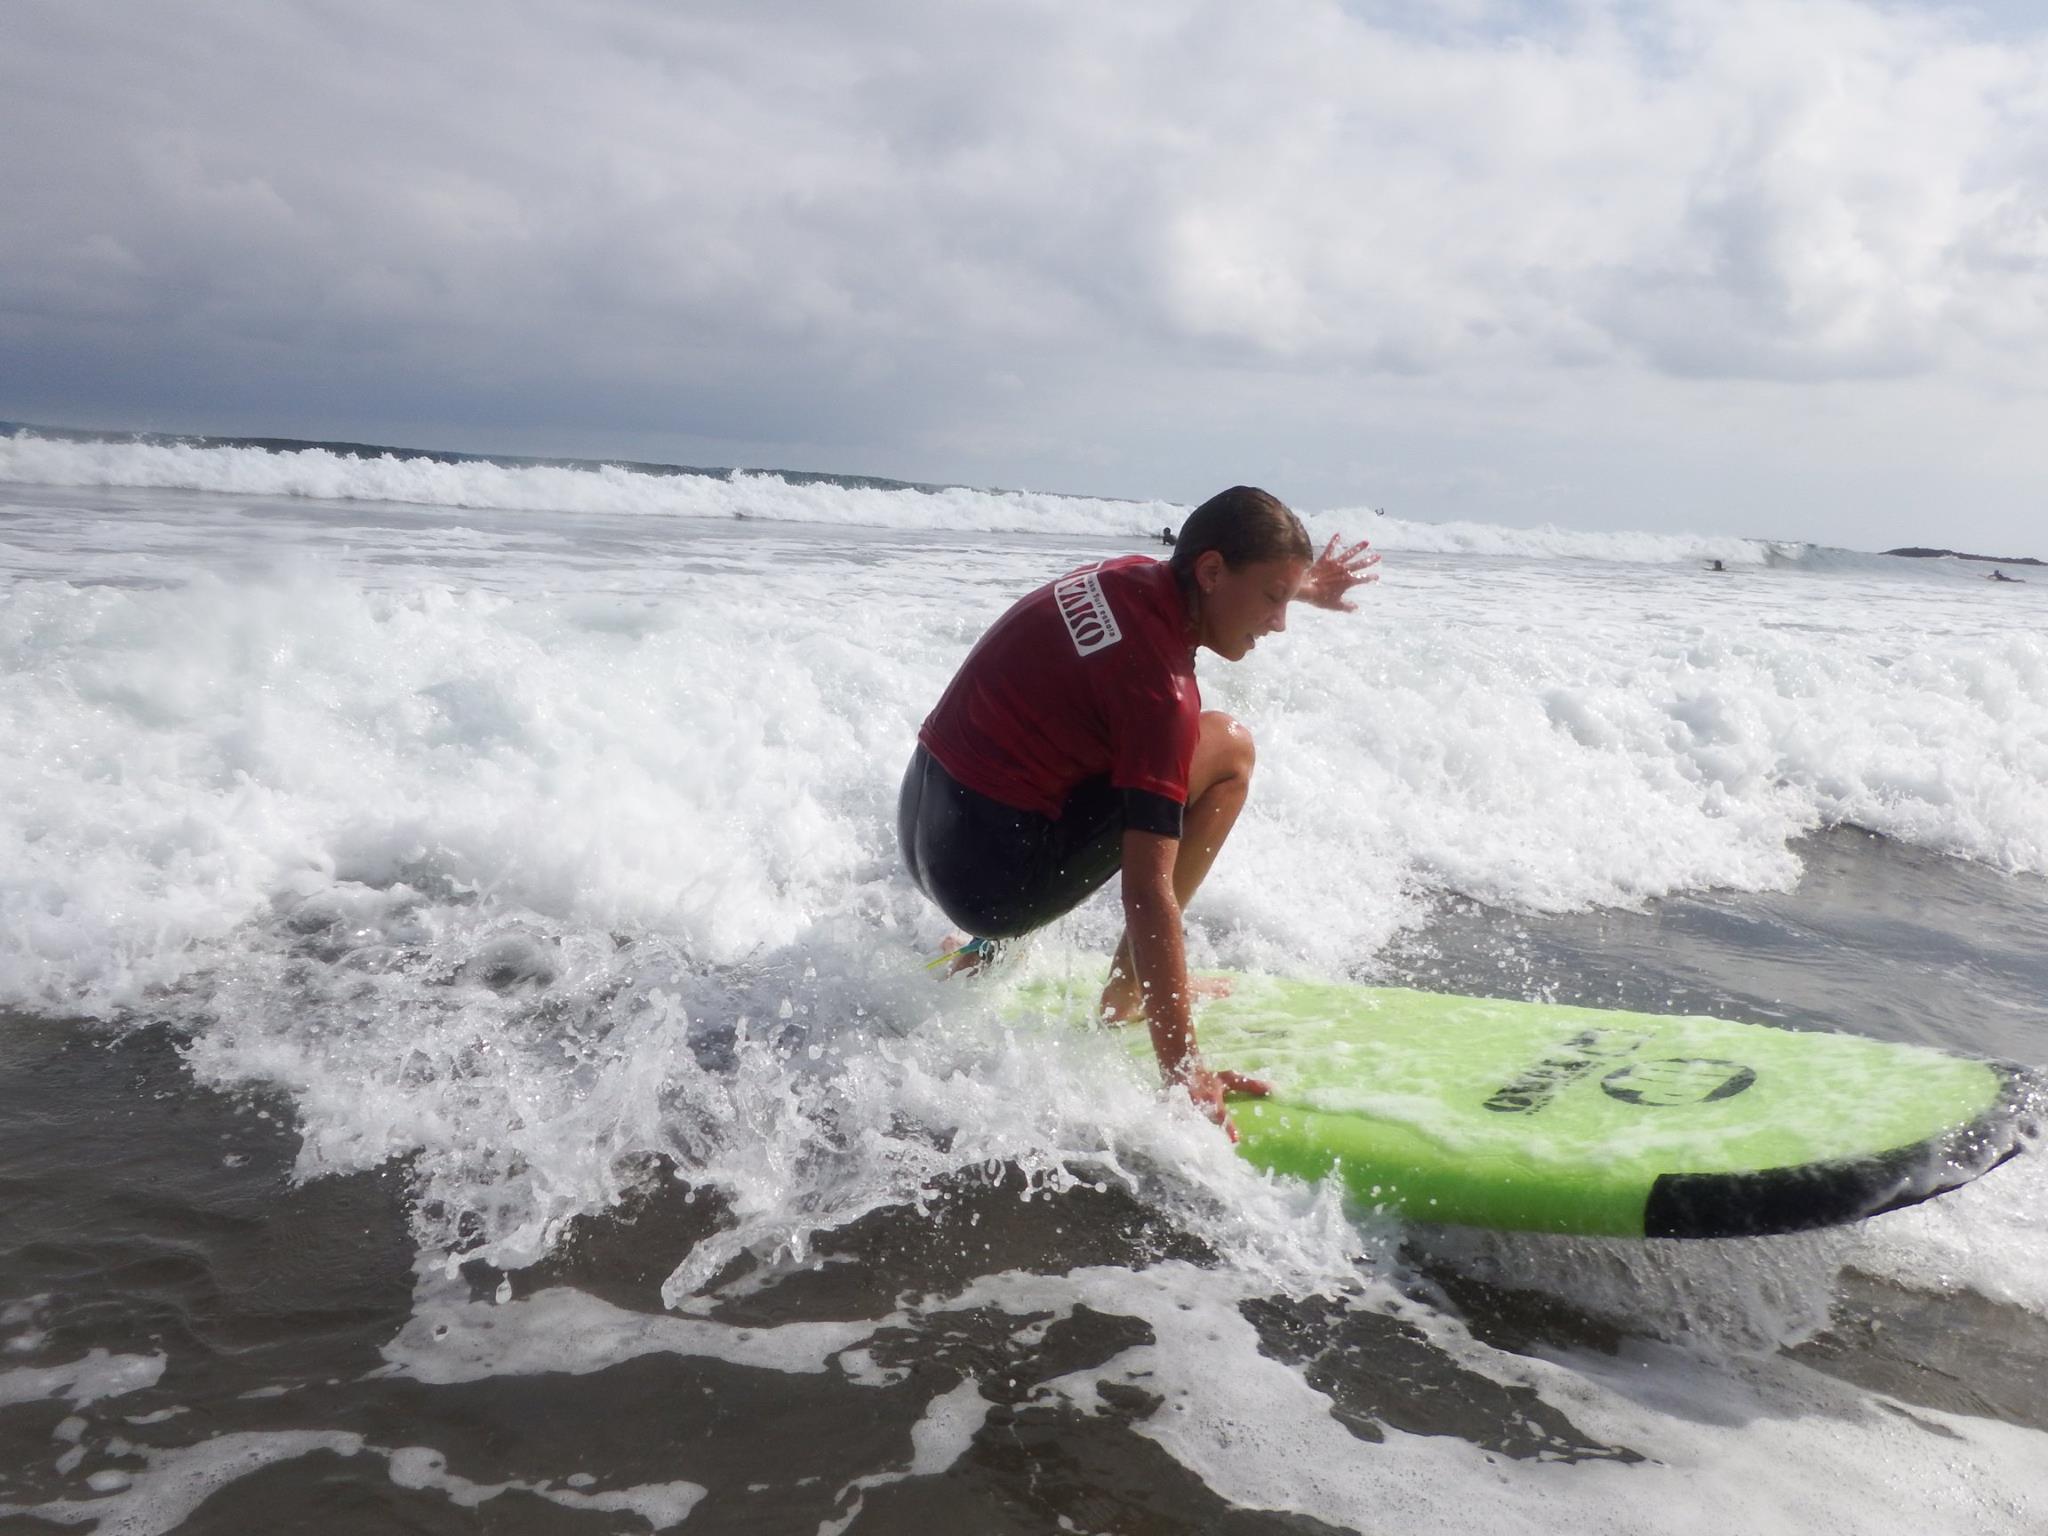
(1536, 1117)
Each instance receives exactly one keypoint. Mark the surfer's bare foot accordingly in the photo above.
(1122, 1003)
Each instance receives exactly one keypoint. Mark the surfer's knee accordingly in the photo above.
(1238, 750)
(1228, 745)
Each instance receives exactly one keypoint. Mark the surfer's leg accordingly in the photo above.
(997, 871)
(1218, 782)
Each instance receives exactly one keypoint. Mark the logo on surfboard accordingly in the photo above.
(1656, 1083)
(1677, 1080)
(1546, 1079)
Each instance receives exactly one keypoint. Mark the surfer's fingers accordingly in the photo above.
(1249, 1087)
(1207, 1089)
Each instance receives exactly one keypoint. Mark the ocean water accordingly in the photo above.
(465, 1061)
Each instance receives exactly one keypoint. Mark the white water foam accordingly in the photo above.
(1766, 1445)
(664, 1506)
(174, 1483)
(723, 769)
(1828, 1458)
(99, 1374)
(1765, 1442)
(554, 889)
(451, 1338)
(1985, 1238)
(521, 883)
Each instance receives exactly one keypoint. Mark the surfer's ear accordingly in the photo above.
(1209, 569)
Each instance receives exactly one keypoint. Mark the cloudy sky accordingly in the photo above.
(1756, 266)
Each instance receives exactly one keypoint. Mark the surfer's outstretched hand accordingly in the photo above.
(1334, 575)
(1208, 1090)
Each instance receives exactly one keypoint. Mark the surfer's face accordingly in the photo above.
(1239, 606)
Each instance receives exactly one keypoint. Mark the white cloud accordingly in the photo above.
(1027, 241)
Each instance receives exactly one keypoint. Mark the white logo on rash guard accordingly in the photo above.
(1086, 611)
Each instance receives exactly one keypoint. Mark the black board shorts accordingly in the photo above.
(998, 871)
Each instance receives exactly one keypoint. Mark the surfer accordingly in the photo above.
(1072, 745)
(1166, 535)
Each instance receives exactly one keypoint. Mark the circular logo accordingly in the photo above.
(1677, 1080)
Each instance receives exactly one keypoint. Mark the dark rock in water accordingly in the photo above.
(1956, 554)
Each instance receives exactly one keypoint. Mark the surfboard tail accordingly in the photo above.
(1775, 1200)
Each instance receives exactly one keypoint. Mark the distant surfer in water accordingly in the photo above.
(1073, 744)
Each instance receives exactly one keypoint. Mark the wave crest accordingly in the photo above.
(336, 472)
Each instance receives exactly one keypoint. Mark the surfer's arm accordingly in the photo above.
(1158, 950)
(1159, 956)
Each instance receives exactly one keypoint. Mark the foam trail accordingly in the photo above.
(83, 1381)
(1659, 1443)
(1981, 1238)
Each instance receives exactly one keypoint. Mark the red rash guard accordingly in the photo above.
(1089, 676)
